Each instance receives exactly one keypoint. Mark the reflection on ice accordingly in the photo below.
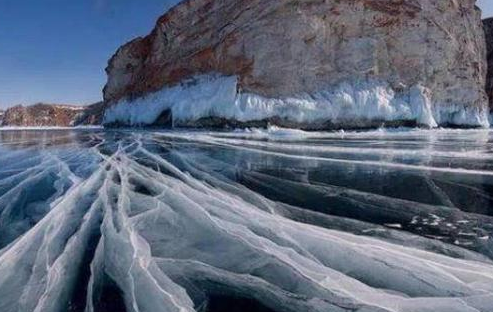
(263, 220)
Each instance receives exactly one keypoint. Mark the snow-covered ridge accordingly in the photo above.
(71, 107)
(346, 103)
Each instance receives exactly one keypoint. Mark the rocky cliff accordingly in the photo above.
(91, 115)
(488, 29)
(51, 115)
(306, 63)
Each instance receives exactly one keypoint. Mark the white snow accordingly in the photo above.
(70, 107)
(217, 96)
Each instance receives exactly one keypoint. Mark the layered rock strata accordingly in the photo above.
(306, 63)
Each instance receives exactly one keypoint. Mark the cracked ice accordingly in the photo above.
(279, 220)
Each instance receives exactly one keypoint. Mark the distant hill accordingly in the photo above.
(51, 115)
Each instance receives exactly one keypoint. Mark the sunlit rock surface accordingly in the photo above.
(41, 115)
(52, 115)
(258, 220)
(383, 54)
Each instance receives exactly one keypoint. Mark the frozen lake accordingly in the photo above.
(258, 220)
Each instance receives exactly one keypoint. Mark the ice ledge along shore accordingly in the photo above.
(217, 101)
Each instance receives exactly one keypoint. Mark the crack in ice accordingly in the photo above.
(173, 225)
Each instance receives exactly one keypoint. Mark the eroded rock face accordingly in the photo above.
(488, 29)
(51, 115)
(280, 49)
(91, 115)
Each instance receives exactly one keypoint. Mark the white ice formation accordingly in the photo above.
(149, 223)
(358, 102)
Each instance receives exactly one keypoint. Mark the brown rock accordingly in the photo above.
(285, 48)
(52, 115)
(90, 115)
(488, 29)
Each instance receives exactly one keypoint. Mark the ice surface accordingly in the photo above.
(165, 221)
(10, 128)
(217, 96)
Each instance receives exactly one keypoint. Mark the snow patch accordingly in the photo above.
(70, 107)
(357, 101)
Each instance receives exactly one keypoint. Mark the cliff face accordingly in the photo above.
(49, 115)
(90, 115)
(488, 29)
(426, 54)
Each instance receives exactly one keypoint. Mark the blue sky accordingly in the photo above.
(486, 6)
(55, 51)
